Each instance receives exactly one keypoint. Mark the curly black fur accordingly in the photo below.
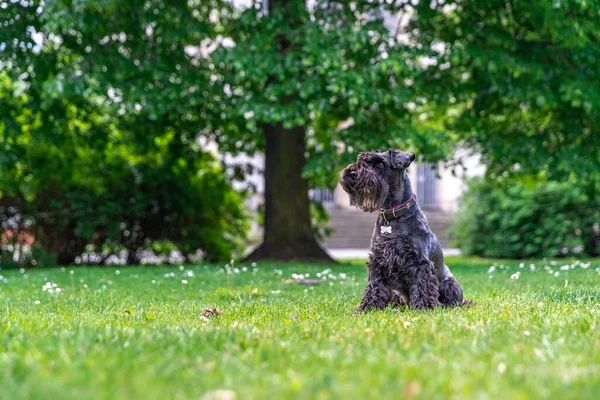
(406, 265)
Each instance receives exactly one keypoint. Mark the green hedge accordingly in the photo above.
(520, 220)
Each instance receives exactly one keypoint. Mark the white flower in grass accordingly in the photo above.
(117, 272)
(22, 270)
(522, 265)
(565, 268)
(406, 324)
(552, 262)
(514, 277)
(154, 281)
(37, 302)
(556, 274)
(502, 367)
(63, 269)
(189, 273)
(253, 265)
(244, 269)
(85, 286)
(51, 288)
(275, 291)
(526, 333)
(532, 267)
(184, 281)
(492, 269)
(342, 276)
(540, 304)
(181, 268)
(104, 287)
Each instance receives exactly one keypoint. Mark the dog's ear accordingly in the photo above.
(400, 159)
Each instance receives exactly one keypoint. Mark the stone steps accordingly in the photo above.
(352, 229)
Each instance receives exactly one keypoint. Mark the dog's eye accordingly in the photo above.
(379, 165)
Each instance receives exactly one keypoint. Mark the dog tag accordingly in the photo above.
(385, 229)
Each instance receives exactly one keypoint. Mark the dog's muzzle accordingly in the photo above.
(349, 178)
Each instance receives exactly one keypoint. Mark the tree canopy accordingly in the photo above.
(519, 81)
(321, 82)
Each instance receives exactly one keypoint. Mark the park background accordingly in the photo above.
(206, 137)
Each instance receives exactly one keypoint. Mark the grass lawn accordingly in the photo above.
(139, 333)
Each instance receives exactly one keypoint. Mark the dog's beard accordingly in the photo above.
(369, 192)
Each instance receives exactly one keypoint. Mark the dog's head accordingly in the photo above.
(369, 179)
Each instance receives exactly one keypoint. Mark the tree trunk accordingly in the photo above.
(288, 230)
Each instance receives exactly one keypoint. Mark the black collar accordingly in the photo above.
(399, 210)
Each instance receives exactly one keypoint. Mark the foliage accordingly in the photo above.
(534, 337)
(521, 219)
(521, 78)
(319, 68)
(219, 69)
(76, 183)
(518, 82)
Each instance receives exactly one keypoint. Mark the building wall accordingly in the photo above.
(451, 186)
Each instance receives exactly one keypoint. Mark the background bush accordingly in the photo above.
(523, 219)
(72, 181)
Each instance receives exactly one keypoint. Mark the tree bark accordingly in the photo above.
(288, 229)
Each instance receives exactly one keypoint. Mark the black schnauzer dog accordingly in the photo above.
(406, 263)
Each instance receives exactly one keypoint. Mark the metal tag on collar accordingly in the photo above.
(385, 228)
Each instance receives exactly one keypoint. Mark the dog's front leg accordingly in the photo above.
(376, 296)
(424, 286)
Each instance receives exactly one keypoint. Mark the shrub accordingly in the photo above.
(73, 182)
(523, 219)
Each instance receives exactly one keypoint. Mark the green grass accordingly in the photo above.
(140, 335)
